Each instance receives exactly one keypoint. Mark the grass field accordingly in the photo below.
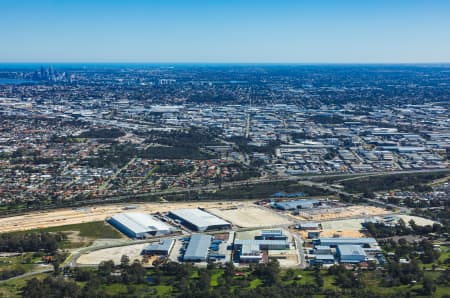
(215, 277)
(26, 261)
(12, 288)
(94, 230)
(83, 234)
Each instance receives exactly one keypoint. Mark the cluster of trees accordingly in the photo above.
(243, 145)
(400, 273)
(128, 273)
(175, 152)
(108, 273)
(51, 287)
(264, 190)
(102, 133)
(30, 242)
(388, 182)
(441, 215)
(116, 156)
(422, 250)
(9, 273)
(345, 278)
(174, 169)
(380, 230)
(186, 280)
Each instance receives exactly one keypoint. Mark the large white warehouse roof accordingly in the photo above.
(140, 223)
(199, 218)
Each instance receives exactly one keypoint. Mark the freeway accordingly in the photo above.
(254, 181)
(213, 187)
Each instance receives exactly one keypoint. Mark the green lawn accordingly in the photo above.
(215, 277)
(12, 288)
(255, 283)
(95, 230)
(441, 291)
(163, 290)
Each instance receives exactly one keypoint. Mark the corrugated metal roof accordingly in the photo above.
(199, 217)
(295, 204)
(198, 247)
(324, 257)
(261, 242)
(345, 240)
(350, 250)
(164, 244)
(140, 222)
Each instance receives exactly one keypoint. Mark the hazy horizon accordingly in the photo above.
(231, 32)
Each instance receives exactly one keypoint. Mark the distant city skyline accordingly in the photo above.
(194, 31)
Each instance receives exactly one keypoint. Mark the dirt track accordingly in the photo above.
(60, 217)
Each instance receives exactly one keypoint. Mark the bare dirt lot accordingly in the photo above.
(61, 217)
(114, 254)
(420, 221)
(342, 212)
(250, 216)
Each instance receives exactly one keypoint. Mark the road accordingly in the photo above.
(31, 273)
(211, 187)
(301, 252)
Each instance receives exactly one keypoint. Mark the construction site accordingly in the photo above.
(249, 216)
(336, 212)
(70, 216)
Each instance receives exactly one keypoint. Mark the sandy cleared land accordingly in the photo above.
(61, 217)
(420, 221)
(114, 254)
(344, 224)
(342, 212)
(250, 217)
(342, 228)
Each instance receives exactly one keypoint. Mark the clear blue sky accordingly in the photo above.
(313, 31)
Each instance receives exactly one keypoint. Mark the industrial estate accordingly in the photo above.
(295, 231)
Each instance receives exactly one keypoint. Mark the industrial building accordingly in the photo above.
(351, 254)
(322, 250)
(345, 250)
(271, 235)
(163, 248)
(323, 259)
(296, 204)
(249, 250)
(198, 248)
(309, 226)
(335, 241)
(199, 220)
(138, 225)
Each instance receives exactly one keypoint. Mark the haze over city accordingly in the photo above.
(286, 31)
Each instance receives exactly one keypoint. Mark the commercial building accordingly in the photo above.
(351, 254)
(264, 244)
(334, 242)
(296, 204)
(249, 250)
(198, 248)
(309, 226)
(322, 250)
(199, 220)
(271, 235)
(138, 225)
(163, 248)
(323, 259)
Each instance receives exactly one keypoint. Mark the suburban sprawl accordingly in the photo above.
(224, 181)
